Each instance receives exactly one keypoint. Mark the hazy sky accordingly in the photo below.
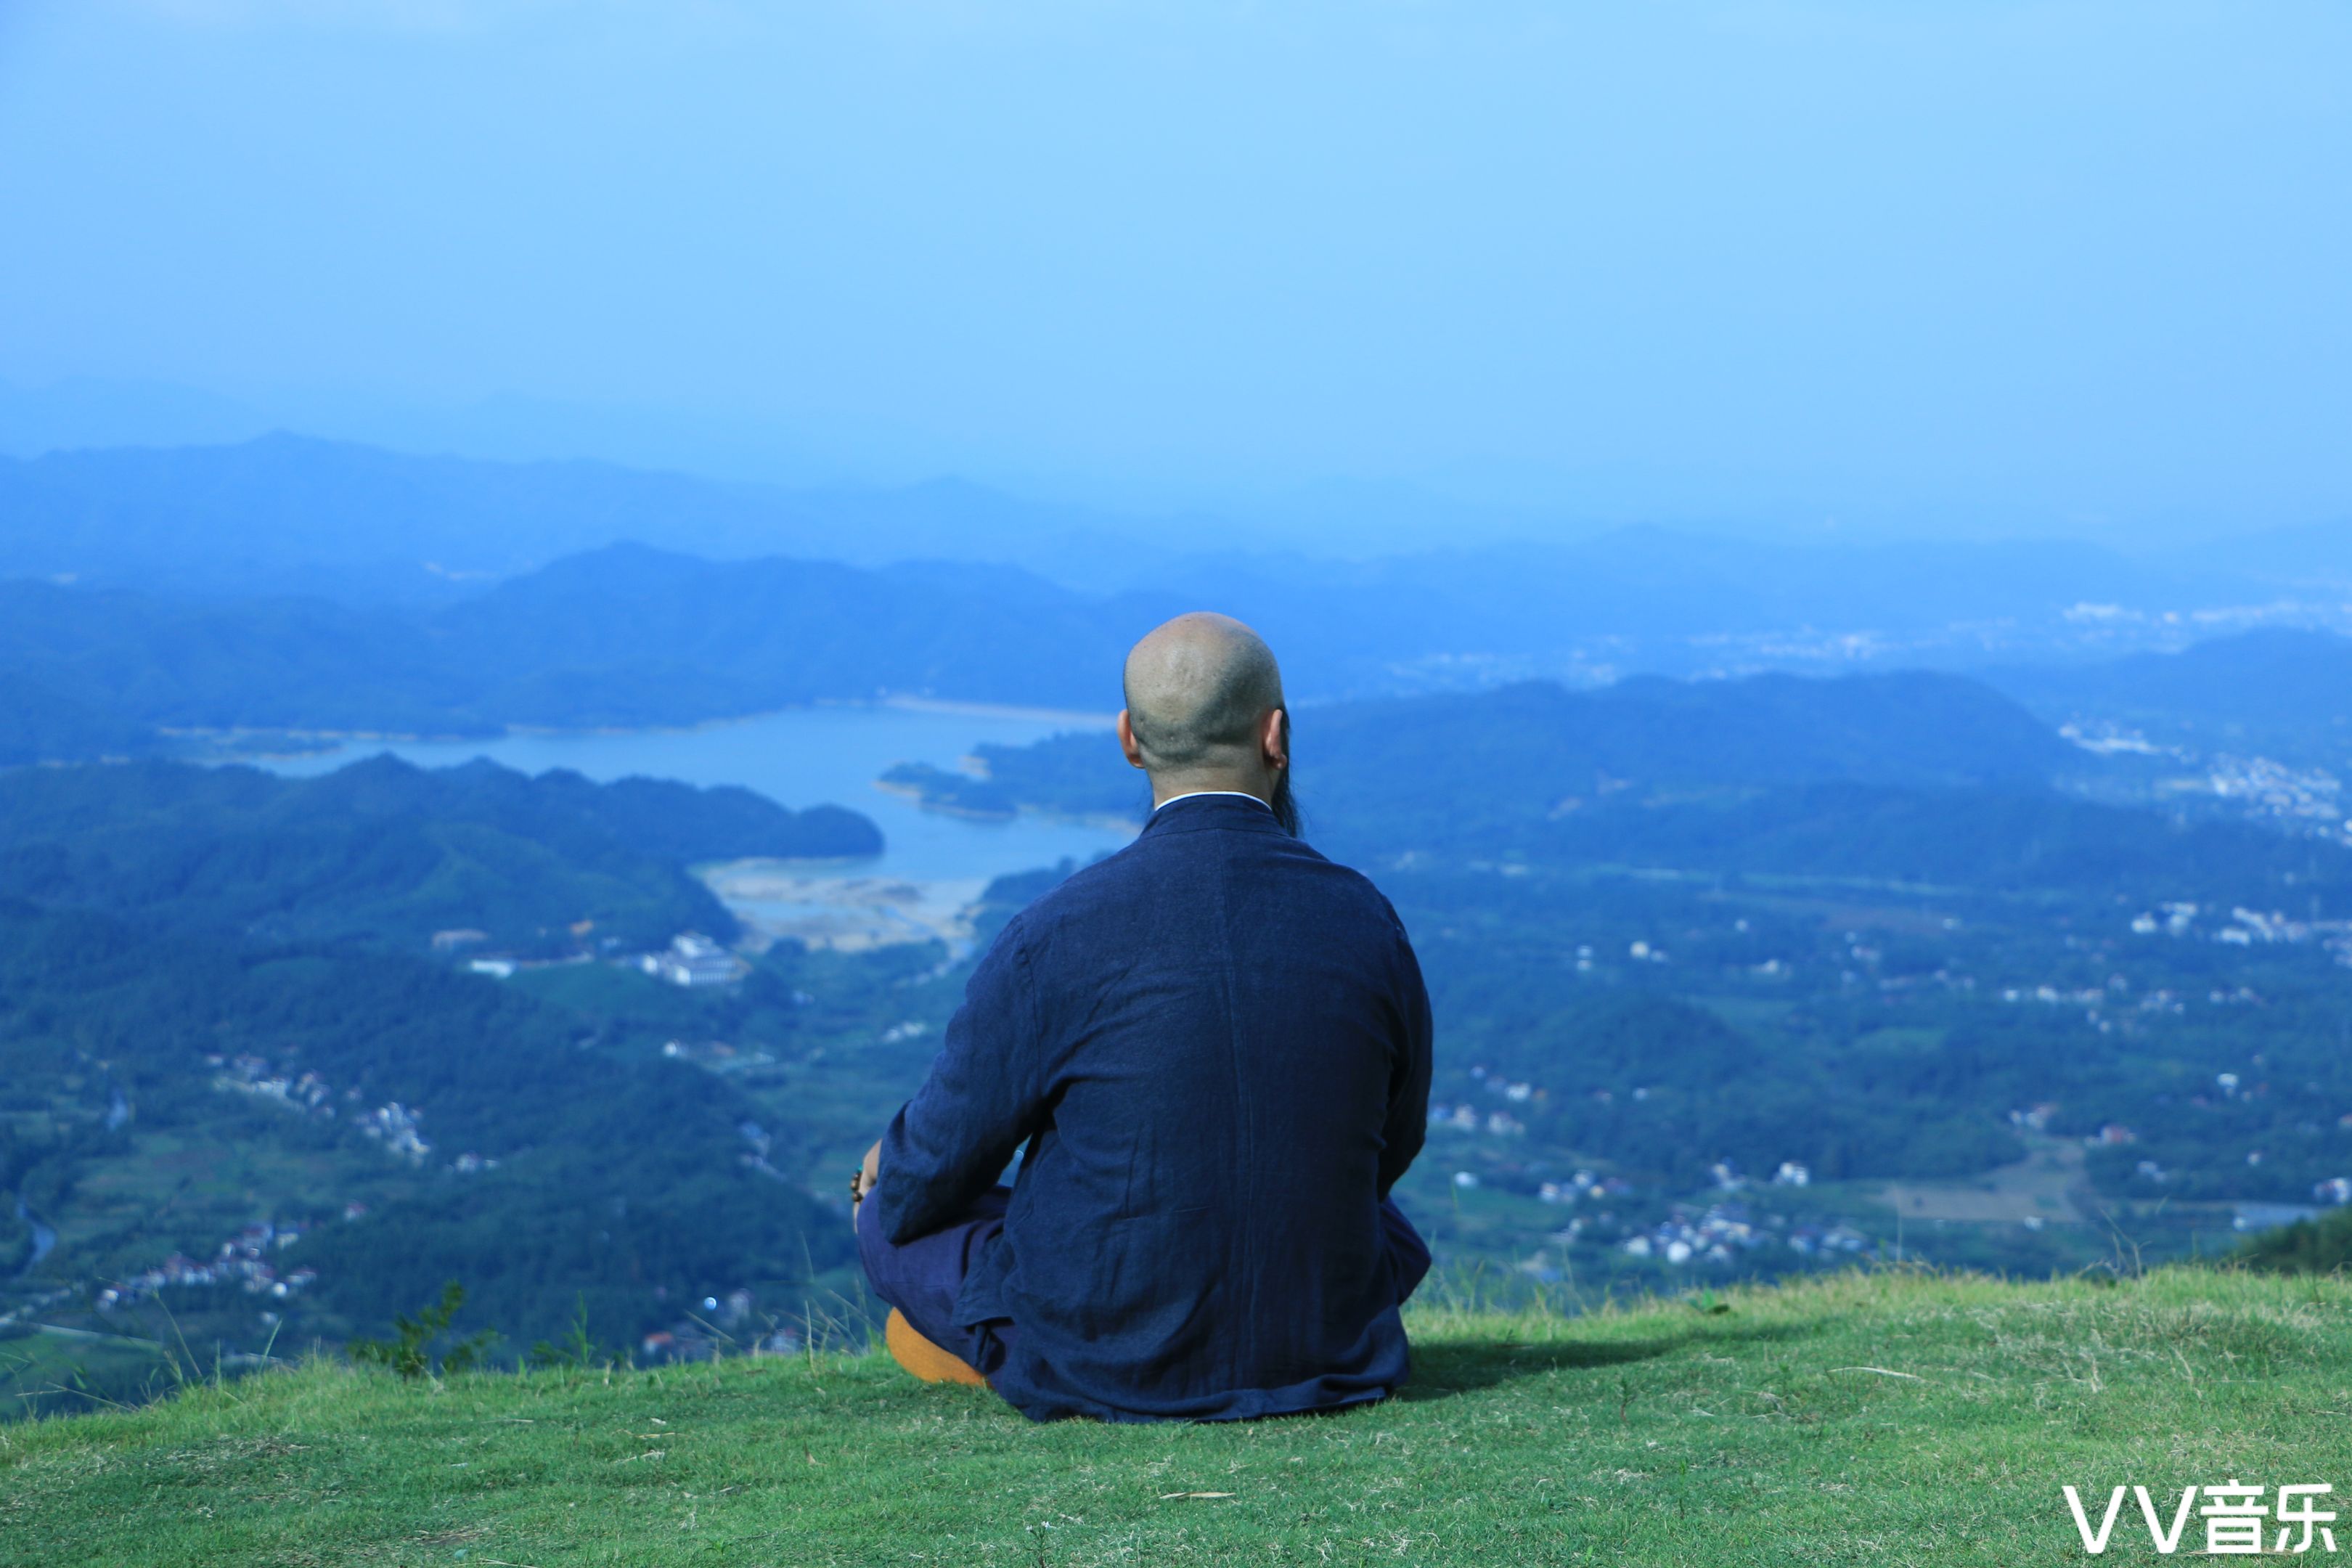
(2073, 266)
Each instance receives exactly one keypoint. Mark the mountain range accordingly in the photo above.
(289, 515)
(622, 636)
(2281, 689)
(1916, 778)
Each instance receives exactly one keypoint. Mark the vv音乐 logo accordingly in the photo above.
(2237, 1520)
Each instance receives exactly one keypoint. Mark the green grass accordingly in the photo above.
(188, 1188)
(35, 1363)
(1892, 1417)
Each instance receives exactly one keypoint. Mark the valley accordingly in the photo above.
(1734, 981)
(590, 998)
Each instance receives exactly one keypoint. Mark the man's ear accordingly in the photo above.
(1128, 743)
(1273, 738)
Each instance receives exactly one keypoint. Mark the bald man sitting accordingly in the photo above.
(1214, 1045)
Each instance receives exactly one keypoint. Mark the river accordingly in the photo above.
(45, 1239)
(932, 864)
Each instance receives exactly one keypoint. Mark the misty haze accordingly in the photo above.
(569, 580)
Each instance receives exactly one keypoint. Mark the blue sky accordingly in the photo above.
(2067, 267)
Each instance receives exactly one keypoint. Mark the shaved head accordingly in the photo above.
(1198, 691)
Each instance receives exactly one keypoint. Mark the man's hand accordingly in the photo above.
(862, 1183)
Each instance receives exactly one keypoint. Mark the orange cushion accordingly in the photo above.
(924, 1359)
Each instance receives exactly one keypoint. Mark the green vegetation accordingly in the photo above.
(620, 636)
(2033, 1076)
(1893, 1416)
(1681, 938)
(1918, 779)
(942, 789)
(2322, 1246)
(1719, 999)
(424, 1344)
(246, 1039)
(1463, 767)
(2279, 691)
(361, 526)
(1079, 776)
(141, 1118)
(37, 723)
(391, 853)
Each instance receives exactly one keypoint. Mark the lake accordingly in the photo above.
(932, 864)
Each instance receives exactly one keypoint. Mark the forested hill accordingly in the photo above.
(302, 586)
(1538, 749)
(1651, 733)
(40, 722)
(1913, 778)
(222, 1006)
(2277, 689)
(88, 672)
(629, 634)
(1917, 779)
(388, 852)
(285, 513)
(624, 636)
(262, 1083)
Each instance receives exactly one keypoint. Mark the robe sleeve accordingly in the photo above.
(1407, 1126)
(980, 1101)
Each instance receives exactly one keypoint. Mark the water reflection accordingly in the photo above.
(932, 866)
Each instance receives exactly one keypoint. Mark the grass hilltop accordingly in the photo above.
(1886, 1418)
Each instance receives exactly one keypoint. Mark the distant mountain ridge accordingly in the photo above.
(1648, 582)
(38, 722)
(624, 636)
(2254, 686)
(1538, 749)
(741, 636)
(287, 583)
(1914, 728)
(284, 513)
(629, 636)
(1916, 778)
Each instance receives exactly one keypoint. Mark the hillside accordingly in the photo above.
(1917, 777)
(1643, 589)
(1535, 750)
(284, 512)
(328, 516)
(38, 722)
(164, 1093)
(2281, 690)
(287, 513)
(143, 661)
(228, 1030)
(621, 635)
(393, 853)
(1913, 729)
(287, 584)
(629, 634)
(1894, 1418)
(1682, 936)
